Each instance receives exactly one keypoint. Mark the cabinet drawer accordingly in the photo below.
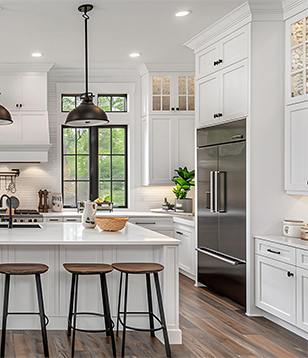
(275, 251)
(302, 258)
(53, 219)
(69, 219)
(149, 222)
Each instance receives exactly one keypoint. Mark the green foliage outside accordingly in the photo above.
(184, 182)
(111, 166)
(106, 103)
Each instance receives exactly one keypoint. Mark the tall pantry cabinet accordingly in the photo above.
(168, 116)
(240, 75)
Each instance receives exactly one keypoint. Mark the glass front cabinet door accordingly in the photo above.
(172, 93)
(297, 59)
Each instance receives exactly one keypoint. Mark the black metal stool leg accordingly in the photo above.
(150, 304)
(124, 318)
(107, 312)
(75, 316)
(162, 314)
(119, 304)
(42, 313)
(70, 310)
(5, 311)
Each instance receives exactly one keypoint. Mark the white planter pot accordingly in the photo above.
(184, 204)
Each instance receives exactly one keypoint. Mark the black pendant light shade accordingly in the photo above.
(5, 116)
(87, 113)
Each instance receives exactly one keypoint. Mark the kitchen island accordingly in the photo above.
(56, 243)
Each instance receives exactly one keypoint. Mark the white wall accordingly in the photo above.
(40, 176)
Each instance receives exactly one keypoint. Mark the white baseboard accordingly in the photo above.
(187, 274)
(175, 336)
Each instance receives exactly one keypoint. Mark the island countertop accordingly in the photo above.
(75, 234)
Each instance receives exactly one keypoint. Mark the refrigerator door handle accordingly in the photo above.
(216, 185)
(221, 192)
(220, 257)
(212, 192)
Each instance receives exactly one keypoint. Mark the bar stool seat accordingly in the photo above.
(23, 269)
(138, 267)
(88, 269)
(77, 269)
(142, 268)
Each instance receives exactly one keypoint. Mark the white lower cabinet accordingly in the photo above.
(302, 298)
(281, 289)
(275, 288)
(187, 253)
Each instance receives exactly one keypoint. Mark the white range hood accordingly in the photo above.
(26, 140)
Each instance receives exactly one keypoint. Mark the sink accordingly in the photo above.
(21, 226)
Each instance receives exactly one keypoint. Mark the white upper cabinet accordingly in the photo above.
(164, 92)
(223, 95)
(297, 58)
(167, 143)
(223, 53)
(24, 91)
(296, 149)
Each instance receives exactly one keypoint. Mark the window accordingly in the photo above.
(107, 102)
(94, 164)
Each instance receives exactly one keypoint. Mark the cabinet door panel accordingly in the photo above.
(161, 171)
(185, 255)
(12, 133)
(34, 123)
(302, 298)
(10, 89)
(234, 47)
(34, 92)
(234, 91)
(185, 142)
(205, 61)
(296, 133)
(275, 290)
(207, 103)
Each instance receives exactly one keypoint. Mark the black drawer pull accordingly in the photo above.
(179, 232)
(290, 274)
(145, 223)
(273, 252)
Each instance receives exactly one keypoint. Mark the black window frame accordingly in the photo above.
(93, 155)
(99, 95)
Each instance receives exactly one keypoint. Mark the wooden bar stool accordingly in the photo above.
(20, 270)
(145, 269)
(89, 269)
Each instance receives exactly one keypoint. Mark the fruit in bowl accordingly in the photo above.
(105, 200)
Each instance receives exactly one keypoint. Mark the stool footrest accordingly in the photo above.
(143, 329)
(29, 313)
(89, 330)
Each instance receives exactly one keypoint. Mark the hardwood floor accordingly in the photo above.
(212, 327)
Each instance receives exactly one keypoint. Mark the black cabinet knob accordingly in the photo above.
(220, 60)
(17, 105)
(20, 105)
(219, 114)
(290, 274)
(172, 109)
(215, 63)
(215, 116)
(177, 108)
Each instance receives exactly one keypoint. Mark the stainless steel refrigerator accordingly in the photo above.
(221, 178)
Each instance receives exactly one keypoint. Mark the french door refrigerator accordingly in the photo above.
(221, 176)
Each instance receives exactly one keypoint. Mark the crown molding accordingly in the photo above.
(293, 7)
(25, 67)
(165, 67)
(241, 16)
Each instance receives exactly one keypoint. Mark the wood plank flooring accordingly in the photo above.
(212, 326)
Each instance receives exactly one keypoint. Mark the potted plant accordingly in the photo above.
(184, 182)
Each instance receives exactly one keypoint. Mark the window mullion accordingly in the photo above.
(93, 163)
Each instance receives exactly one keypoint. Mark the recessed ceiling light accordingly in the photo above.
(37, 54)
(135, 54)
(182, 13)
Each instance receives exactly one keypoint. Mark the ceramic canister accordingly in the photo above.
(304, 232)
(292, 228)
(88, 215)
(56, 201)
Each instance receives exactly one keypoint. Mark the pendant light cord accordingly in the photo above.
(86, 17)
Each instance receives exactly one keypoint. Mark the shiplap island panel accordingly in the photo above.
(57, 243)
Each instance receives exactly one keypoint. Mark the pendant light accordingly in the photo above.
(5, 116)
(87, 113)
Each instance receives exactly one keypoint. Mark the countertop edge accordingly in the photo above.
(283, 240)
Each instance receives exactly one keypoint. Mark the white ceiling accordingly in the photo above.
(116, 28)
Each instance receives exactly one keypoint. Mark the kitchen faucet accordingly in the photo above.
(10, 208)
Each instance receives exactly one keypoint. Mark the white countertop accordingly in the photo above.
(76, 234)
(289, 241)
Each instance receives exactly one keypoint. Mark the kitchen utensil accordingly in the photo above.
(111, 224)
(88, 215)
(292, 228)
(14, 202)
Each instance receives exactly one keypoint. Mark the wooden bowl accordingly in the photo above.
(111, 223)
